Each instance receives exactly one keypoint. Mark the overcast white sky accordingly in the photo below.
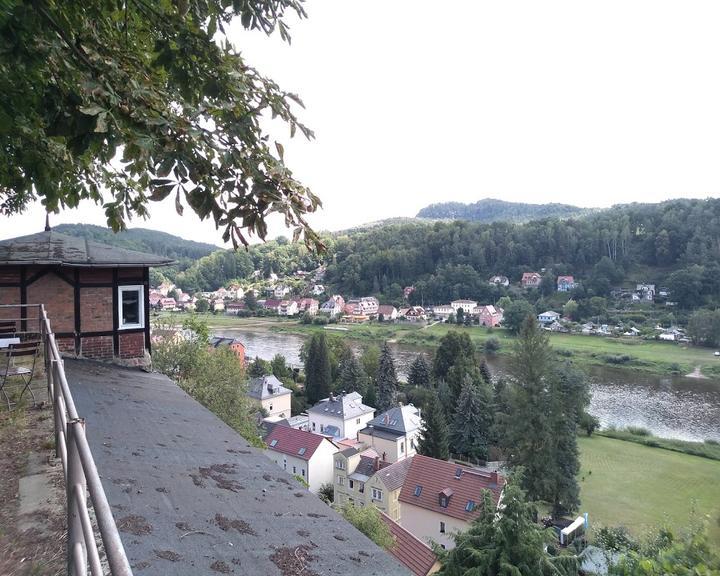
(414, 102)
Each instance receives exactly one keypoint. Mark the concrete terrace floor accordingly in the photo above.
(191, 497)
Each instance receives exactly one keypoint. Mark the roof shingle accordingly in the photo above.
(411, 551)
(298, 443)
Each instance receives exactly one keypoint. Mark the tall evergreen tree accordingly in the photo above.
(419, 374)
(508, 542)
(471, 426)
(528, 437)
(351, 375)
(485, 372)
(463, 368)
(453, 345)
(434, 441)
(387, 383)
(318, 374)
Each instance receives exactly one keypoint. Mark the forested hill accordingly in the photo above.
(142, 240)
(491, 210)
(677, 240)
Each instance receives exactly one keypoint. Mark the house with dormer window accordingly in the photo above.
(304, 454)
(340, 416)
(394, 433)
(439, 498)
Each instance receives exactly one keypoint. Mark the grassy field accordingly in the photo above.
(649, 356)
(627, 484)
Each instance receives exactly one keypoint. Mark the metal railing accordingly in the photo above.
(80, 471)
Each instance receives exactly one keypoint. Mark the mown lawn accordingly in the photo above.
(627, 484)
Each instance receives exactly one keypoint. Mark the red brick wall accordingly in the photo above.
(96, 309)
(58, 297)
(9, 274)
(95, 275)
(132, 345)
(66, 345)
(9, 296)
(99, 347)
(131, 274)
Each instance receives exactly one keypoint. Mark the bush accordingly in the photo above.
(617, 358)
(369, 522)
(491, 345)
(589, 423)
(638, 431)
(319, 321)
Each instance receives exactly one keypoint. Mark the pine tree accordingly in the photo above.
(351, 375)
(434, 441)
(485, 372)
(318, 375)
(387, 383)
(419, 374)
(453, 345)
(472, 423)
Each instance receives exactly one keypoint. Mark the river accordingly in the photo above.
(668, 406)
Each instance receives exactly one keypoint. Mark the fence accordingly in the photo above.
(81, 475)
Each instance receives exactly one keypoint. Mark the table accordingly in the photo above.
(6, 342)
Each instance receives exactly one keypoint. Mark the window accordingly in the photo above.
(458, 473)
(443, 501)
(294, 470)
(362, 488)
(376, 494)
(322, 427)
(303, 472)
(351, 484)
(442, 527)
(339, 464)
(402, 447)
(131, 312)
(302, 451)
(273, 443)
(313, 424)
(357, 421)
(470, 506)
(341, 480)
(270, 407)
(284, 464)
(418, 490)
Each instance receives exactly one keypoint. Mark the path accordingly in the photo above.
(697, 373)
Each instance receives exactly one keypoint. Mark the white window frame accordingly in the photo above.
(140, 289)
(377, 494)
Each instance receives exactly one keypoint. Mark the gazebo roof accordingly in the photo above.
(51, 248)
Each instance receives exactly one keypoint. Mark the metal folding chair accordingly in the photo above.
(27, 351)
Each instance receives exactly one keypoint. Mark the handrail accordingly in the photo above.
(80, 471)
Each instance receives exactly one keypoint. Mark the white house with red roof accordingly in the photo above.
(303, 454)
(439, 498)
(417, 556)
(565, 283)
(530, 280)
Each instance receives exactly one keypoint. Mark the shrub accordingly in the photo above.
(589, 423)
(491, 345)
(638, 431)
(320, 321)
(369, 522)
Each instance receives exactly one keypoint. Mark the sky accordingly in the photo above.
(415, 102)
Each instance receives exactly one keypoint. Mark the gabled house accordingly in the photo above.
(271, 395)
(340, 416)
(644, 292)
(272, 304)
(301, 453)
(235, 308)
(387, 311)
(413, 313)
(439, 498)
(236, 291)
(394, 433)
(369, 306)
(443, 311)
(413, 553)
(530, 280)
(548, 317)
(97, 295)
(365, 479)
(488, 315)
(288, 308)
(565, 283)
(333, 306)
(308, 306)
(218, 304)
(167, 304)
(237, 347)
(281, 291)
(318, 289)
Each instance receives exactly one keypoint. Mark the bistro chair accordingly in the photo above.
(27, 351)
(7, 329)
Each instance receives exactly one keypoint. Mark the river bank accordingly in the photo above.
(662, 358)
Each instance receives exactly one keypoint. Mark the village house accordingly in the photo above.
(499, 281)
(272, 304)
(365, 479)
(548, 317)
(288, 308)
(271, 395)
(333, 306)
(644, 292)
(235, 291)
(411, 551)
(237, 347)
(467, 305)
(565, 283)
(218, 305)
(303, 454)
(281, 291)
(387, 312)
(234, 308)
(488, 315)
(97, 295)
(165, 288)
(530, 280)
(369, 306)
(413, 313)
(439, 498)
(341, 416)
(394, 434)
(154, 298)
(318, 289)
(443, 311)
(167, 304)
(308, 306)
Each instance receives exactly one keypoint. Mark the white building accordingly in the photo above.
(333, 306)
(467, 305)
(443, 311)
(394, 433)
(303, 454)
(548, 317)
(318, 289)
(269, 392)
(340, 416)
(288, 308)
(281, 291)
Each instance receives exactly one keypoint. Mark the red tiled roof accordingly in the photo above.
(385, 309)
(291, 441)
(409, 550)
(437, 476)
(568, 279)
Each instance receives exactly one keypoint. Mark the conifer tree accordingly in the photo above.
(351, 375)
(453, 345)
(472, 423)
(419, 374)
(434, 441)
(485, 372)
(387, 383)
(318, 375)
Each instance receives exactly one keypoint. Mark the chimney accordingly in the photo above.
(376, 463)
(331, 397)
(384, 456)
(494, 477)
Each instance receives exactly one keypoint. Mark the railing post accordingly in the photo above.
(56, 406)
(76, 551)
